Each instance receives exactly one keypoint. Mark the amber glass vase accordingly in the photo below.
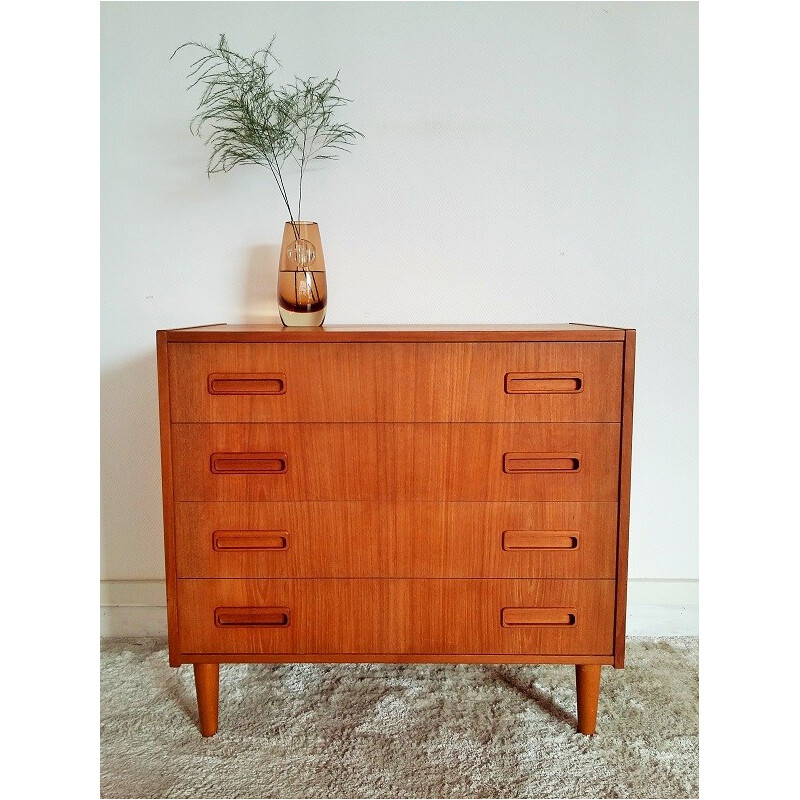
(302, 289)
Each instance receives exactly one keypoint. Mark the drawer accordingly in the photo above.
(406, 539)
(396, 382)
(363, 616)
(400, 461)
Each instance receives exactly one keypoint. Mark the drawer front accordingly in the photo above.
(292, 461)
(352, 616)
(395, 382)
(406, 539)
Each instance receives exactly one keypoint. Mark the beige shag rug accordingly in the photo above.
(400, 731)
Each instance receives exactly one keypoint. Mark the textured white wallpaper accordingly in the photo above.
(523, 162)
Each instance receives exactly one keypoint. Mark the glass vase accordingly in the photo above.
(302, 288)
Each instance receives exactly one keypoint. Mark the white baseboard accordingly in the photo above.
(120, 622)
(655, 608)
(663, 607)
(133, 608)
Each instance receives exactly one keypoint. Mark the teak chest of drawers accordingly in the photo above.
(398, 495)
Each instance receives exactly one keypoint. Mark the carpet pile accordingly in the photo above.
(399, 731)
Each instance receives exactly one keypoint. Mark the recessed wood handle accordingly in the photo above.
(247, 617)
(541, 462)
(247, 383)
(250, 540)
(544, 382)
(248, 463)
(518, 617)
(540, 540)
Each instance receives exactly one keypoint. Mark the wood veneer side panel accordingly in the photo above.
(626, 442)
(167, 493)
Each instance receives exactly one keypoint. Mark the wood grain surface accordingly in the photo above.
(559, 332)
(167, 498)
(398, 615)
(347, 539)
(381, 493)
(626, 451)
(400, 461)
(395, 382)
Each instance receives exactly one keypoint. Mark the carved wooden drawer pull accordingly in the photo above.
(518, 617)
(544, 382)
(248, 463)
(247, 383)
(540, 540)
(250, 540)
(247, 617)
(541, 462)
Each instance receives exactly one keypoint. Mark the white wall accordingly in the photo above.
(523, 163)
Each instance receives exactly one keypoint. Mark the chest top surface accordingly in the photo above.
(570, 332)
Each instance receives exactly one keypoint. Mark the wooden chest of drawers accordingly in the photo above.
(414, 494)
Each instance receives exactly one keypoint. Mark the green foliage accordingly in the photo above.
(246, 119)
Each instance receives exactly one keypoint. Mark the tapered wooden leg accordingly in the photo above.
(587, 681)
(206, 681)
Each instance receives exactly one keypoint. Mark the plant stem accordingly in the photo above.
(282, 189)
(302, 165)
(276, 172)
(314, 279)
